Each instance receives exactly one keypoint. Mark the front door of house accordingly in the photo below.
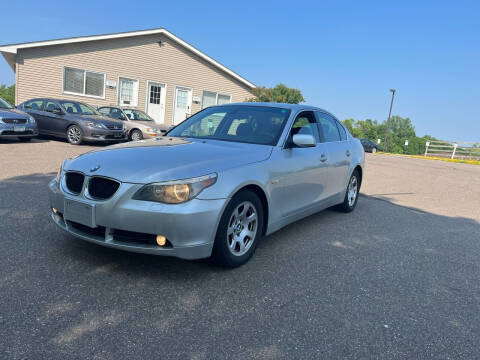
(156, 101)
(183, 104)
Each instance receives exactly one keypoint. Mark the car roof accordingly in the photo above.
(57, 100)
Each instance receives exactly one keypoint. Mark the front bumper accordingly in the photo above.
(8, 130)
(98, 134)
(189, 227)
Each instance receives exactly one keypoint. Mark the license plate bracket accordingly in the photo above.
(19, 128)
(79, 212)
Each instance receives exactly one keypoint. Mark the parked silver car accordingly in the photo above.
(16, 123)
(214, 185)
(139, 125)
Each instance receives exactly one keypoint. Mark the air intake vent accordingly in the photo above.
(74, 182)
(102, 188)
(14, 121)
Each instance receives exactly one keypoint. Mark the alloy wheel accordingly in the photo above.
(136, 135)
(352, 191)
(242, 228)
(74, 134)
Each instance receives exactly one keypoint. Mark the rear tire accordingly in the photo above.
(74, 135)
(351, 195)
(239, 230)
(136, 135)
(24, 139)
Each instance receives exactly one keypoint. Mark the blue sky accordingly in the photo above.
(343, 55)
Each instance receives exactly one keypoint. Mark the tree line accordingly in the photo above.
(400, 129)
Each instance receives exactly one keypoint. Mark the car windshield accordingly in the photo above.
(241, 123)
(5, 105)
(137, 115)
(77, 108)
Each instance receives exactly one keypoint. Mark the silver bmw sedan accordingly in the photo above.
(214, 185)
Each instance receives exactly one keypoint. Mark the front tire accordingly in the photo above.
(74, 135)
(239, 230)
(351, 196)
(136, 135)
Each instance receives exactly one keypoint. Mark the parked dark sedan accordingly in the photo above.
(369, 146)
(16, 123)
(76, 121)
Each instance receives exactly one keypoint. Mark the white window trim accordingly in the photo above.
(216, 96)
(118, 89)
(84, 83)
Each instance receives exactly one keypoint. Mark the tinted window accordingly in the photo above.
(78, 108)
(242, 123)
(33, 105)
(117, 114)
(328, 127)
(51, 106)
(105, 111)
(343, 133)
(305, 124)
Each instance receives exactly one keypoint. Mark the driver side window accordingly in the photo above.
(305, 124)
(52, 107)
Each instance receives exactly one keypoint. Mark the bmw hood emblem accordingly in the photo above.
(95, 168)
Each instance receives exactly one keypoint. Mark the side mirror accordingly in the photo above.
(304, 140)
(57, 112)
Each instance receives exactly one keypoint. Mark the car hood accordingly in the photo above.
(97, 119)
(166, 158)
(13, 113)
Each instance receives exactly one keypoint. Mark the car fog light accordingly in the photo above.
(161, 240)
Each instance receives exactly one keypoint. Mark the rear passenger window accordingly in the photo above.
(328, 127)
(33, 105)
(343, 133)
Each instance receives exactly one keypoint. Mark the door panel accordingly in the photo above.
(302, 179)
(338, 158)
(55, 123)
(182, 105)
(34, 108)
(156, 102)
(303, 173)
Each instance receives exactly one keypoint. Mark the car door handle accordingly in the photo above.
(347, 153)
(323, 158)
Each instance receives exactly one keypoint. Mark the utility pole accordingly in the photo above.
(388, 121)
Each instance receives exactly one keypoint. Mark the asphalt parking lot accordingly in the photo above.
(397, 278)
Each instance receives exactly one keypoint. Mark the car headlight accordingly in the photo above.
(31, 119)
(150, 130)
(1, 118)
(175, 192)
(59, 174)
(95, 125)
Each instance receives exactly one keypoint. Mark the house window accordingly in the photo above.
(127, 92)
(83, 82)
(210, 98)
